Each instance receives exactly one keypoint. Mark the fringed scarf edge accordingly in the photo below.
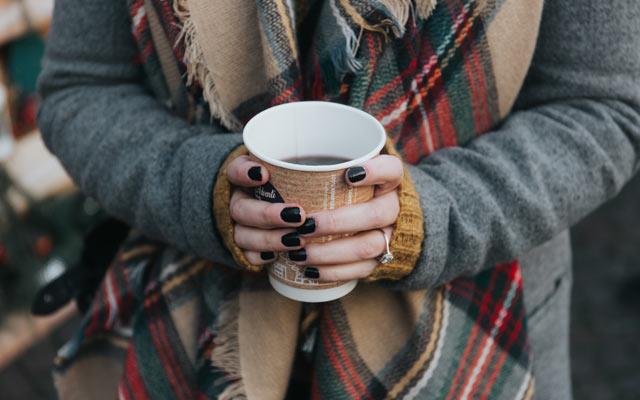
(198, 71)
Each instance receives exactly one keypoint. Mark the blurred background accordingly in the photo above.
(43, 220)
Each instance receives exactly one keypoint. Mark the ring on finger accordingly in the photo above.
(387, 256)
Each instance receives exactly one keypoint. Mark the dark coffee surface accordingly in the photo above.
(316, 160)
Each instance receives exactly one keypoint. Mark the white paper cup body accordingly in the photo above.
(311, 129)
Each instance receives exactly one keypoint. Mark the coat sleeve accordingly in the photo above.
(118, 143)
(570, 144)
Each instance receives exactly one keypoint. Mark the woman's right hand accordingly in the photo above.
(261, 228)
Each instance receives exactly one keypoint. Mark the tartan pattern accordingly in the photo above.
(480, 321)
(469, 339)
(432, 87)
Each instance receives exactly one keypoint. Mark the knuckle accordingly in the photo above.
(330, 223)
(252, 257)
(394, 208)
(378, 214)
(368, 249)
(270, 240)
(233, 171)
(329, 275)
(235, 208)
(272, 214)
(237, 235)
(265, 213)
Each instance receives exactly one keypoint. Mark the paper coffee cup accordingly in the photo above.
(281, 136)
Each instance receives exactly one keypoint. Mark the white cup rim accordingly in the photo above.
(314, 168)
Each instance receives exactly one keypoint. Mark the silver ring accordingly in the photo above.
(387, 257)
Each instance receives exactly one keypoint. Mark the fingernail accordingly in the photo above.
(291, 239)
(291, 214)
(356, 174)
(298, 255)
(255, 173)
(267, 255)
(311, 273)
(309, 226)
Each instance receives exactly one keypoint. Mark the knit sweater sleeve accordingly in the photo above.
(571, 143)
(119, 144)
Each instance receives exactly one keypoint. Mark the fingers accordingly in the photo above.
(377, 213)
(347, 272)
(248, 238)
(363, 246)
(260, 258)
(247, 173)
(248, 211)
(384, 171)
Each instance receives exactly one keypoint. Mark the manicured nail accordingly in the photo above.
(356, 174)
(309, 226)
(291, 214)
(267, 255)
(291, 239)
(255, 173)
(311, 273)
(298, 255)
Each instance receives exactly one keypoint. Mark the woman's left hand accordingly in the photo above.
(355, 256)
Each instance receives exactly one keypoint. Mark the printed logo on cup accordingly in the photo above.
(268, 193)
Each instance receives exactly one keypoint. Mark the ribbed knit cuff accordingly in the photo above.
(221, 201)
(408, 232)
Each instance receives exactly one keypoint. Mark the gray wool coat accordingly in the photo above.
(570, 144)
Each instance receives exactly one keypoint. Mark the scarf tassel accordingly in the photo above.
(197, 70)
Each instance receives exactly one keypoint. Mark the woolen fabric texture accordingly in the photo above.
(480, 313)
(570, 143)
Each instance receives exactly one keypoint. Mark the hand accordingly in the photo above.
(262, 228)
(355, 256)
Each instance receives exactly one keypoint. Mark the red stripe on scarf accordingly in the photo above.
(99, 304)
(339, 345)
(443, 113)
(172, 28)
(477, 86)
(132, 378)
(433, 61)
(284, 96)
(141, 27)
(378, 94)
(315, 388)
(514, 335)
(148, 49)
(337, 366)
(497, 366)
(164, 349)
(472, 338)
(494, 313)
(317, 86)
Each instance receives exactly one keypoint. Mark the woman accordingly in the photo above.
(497, 168)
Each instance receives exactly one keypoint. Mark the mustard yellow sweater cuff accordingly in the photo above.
(408, 233)
(221, 213)
(405, 242)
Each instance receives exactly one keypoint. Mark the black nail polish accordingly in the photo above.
(291, 214)
(311, 273)
(356, 174)
(298, 255)
(267, 255)
(309, 226)
(291, 239)
(255, 173)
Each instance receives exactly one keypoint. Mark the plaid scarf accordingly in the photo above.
(168, 325)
